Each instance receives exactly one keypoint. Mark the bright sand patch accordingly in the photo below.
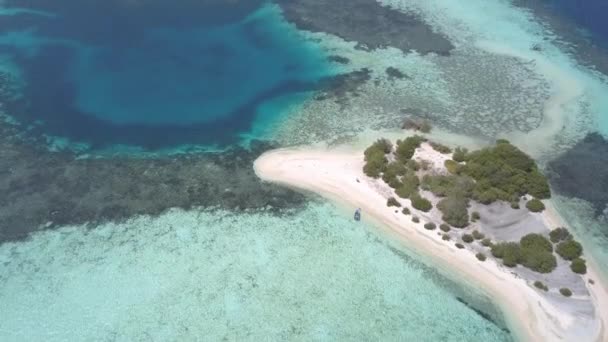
(337, 175)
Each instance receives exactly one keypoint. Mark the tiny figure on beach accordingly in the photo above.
(358, 214)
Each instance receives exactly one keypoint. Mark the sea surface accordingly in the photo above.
(115, 80)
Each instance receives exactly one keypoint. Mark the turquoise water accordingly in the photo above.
(302, 275)
(313, 275)
(148, 79)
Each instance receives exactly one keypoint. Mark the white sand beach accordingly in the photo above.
(337, 175)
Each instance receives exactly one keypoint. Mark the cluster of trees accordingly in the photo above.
(560, 234)
(375, 158)
(533, 251)
(440, 148)
(535, 205)
(420, 203)
(503, 172)
(569, 249)
(407, 147)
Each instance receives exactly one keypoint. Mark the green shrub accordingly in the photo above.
(535, 206)
(468, 238)
(560, 234)
(415, 219)
(409, 185)
(440, 148)
(444, 227)
(486, 242)
(566, 292)
(578, 266)
(503, 172)
(421, 203)
(381, 145)
(515, 205)
(392, 202)
(430, 226)
(460, 154)
(441, 185)
(452, 166)
(475, 216)
(375, 165)
(509, 252)
(569, 250)
(540, 285)
(425, 165)
(407, 147)
(391, 173)
(536, 242)
(537, 185)
(375, 158)
(445, 237)
(412, 165)
(405, 211)
(454, 210)
(459, 245)
(538, 260)
(477, 235)
(481, 256)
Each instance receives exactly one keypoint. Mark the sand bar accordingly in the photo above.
(337, 175)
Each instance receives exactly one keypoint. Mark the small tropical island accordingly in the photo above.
(482, 215)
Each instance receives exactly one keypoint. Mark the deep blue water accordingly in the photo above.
(592, 15)
(152, 74)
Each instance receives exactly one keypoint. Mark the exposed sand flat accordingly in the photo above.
(337, 175)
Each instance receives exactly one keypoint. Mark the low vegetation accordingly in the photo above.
(392, 202)
(440, 148)
(475, 216)
(477, 235)
(560, 234)
(503, 172)
(452, 166)
(536, 241)
(534, 251)
(454, 210)
(421, 203)
(481, 256)
(486, 242)
(498, 173)
(460, 154)
(540, 285)
(459, 245)
(579, 266)
(535, 206)
(566, 292)
(569, 250)
(375, 158)
(407, 147)
(445, 237)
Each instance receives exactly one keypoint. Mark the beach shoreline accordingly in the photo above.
(337, 175)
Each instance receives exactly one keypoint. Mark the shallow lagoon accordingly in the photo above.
(214, 275)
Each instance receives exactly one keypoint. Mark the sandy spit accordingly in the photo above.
(337, 175)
